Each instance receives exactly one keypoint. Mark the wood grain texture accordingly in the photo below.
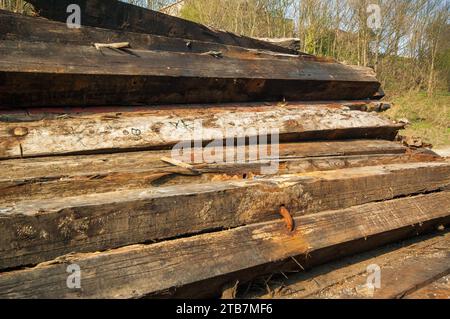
(17, 27)
(47, 113)
(38, 230)
(399, 277)
(405, 268)
(58, 58)
(439, 289)
(140, 270)
(116, 15)
(153, 129)
(53, 74)
(43, 178)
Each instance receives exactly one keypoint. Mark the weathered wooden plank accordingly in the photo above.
(17, 27)
(75, 59)
(399, 277)
(37, 230)
(46, 113)
(140, 270)
(440, 289)
(77, 175)
(116, 15)
(404, 267)
(153, 129)
(83, 75)
(262, 276)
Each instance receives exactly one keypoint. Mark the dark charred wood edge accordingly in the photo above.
(116, 15)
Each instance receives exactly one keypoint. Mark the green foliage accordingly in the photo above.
(255, 18)
(190, 12)
(429, 116)
(18, 6)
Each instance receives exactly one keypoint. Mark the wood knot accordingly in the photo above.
(20, 131)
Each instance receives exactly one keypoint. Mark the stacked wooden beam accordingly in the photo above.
(63, 67)
(417, 268)
(88, 175)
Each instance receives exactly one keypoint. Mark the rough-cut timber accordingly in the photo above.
(17, 27)
(400, 276)
(77, 175)
(439, 289)
(37, 230)
(47, 113)
(165, 127)
(116, 15)
(53, 74)
(405, 268)
(118, 153)
(140, 270)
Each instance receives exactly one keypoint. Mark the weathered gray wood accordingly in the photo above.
(155, 129)
(140, 270)
(52, 74)
(47, 113)
(37, 230)
(116, 15)
(40, 178)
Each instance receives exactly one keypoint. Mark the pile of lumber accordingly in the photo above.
(416, 268)
(90, 118)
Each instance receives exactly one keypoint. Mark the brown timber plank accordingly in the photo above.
(36, 57)
(399, 277)
(41, 113)
(38, 230)
(140, 270)
(404, 267)
(440, 289)
(153, 129)
(55, 74)
(116, 15)
(40, 178)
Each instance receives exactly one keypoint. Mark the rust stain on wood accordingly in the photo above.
(290, 223)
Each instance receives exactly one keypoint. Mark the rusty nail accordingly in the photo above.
(287, 218)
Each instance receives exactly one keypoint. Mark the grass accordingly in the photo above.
(429, 116)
